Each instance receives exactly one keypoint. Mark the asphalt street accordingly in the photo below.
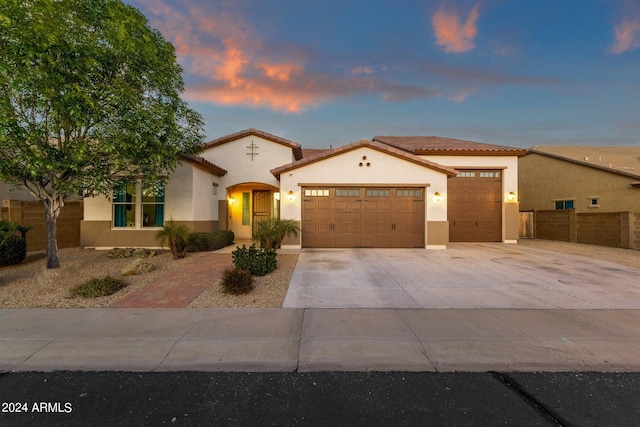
(319, 399)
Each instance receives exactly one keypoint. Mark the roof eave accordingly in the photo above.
(205, 164)
(583, 163)
(364, 143)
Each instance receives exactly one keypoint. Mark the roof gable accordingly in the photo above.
(325, 154)
(295, 147)
(620, 160)
(422, 145)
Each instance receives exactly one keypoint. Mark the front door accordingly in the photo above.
(262, 206)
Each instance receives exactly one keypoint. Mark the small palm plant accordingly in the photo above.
(271, 232)
(175, 235)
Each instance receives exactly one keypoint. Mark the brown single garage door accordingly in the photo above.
(347, 217)
(475, 206)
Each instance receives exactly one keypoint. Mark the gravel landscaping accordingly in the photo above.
(31, 285)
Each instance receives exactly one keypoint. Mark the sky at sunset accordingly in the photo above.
(510, 72)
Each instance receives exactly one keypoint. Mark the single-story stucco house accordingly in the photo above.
(391, 191)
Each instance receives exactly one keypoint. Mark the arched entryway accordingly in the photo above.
(249, 203)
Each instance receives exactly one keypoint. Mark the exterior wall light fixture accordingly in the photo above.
(512, 196)
(291, 196)
(232, 200)
(437, 197)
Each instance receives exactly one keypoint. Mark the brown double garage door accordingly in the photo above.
(346, 217)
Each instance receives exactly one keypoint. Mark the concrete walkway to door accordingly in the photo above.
(466, 275)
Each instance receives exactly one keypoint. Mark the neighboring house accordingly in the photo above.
(584, 178)
(388, 192)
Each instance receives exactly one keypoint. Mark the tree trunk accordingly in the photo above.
(52, 210)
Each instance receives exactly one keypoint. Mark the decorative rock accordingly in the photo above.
(139, 266)
(130, 252)
(120, 253)
(143, 253)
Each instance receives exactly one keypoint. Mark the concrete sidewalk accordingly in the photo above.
(289, 340)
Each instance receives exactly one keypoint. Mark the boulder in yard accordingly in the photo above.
(139, 266)
(143, 253)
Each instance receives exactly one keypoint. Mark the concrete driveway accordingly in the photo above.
(466, 275)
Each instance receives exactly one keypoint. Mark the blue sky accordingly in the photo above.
(510, 72)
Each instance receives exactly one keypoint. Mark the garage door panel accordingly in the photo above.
(347, 216)
(381, 219)
(475, 207)
(382, 205)
(384, 216)
(369, 216)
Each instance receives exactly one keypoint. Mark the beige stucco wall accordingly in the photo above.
(543, 179)
(204, 203)
(245, 174)
(189, 198)
(384, 169)
(100, 235)
(233, 157)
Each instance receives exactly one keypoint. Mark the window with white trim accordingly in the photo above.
(491, 174)
(315, 192)
(138, 204)
(347, 193)
(409, 193)
(564, 204)
(378, 193)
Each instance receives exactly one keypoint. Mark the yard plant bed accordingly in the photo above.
(31, 285)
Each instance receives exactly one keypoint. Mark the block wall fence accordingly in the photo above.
(32, 213)
(614, 229)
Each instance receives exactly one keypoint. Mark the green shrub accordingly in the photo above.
(258, 261)
(13, 248)
(12, 226)
(201, 242)
(175, 235)
(270, 232)
(102, 287)
(237, 281)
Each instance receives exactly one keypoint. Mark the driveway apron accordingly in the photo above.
(466, 275)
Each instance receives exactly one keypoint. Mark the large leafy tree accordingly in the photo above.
(88, 93)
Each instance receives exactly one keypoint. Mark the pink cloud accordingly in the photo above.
(461, 95)
(627, 36)
(453, 34)
(227, 63)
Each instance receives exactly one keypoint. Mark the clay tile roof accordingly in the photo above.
(323, 154)
(622, 160)
(449, 146)
(297, 151)
(309, 152)
(205, 164)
